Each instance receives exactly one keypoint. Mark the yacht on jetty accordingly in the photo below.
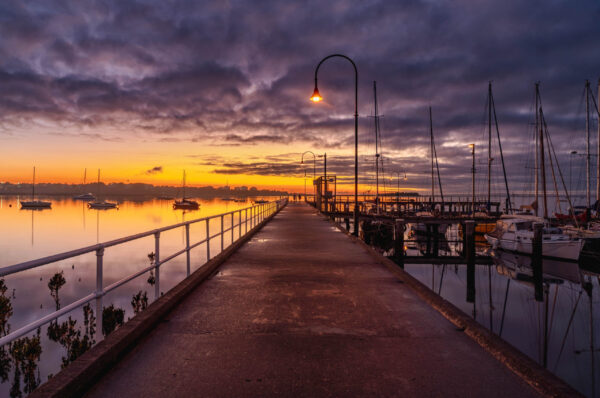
(34, 204)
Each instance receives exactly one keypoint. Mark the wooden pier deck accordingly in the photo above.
(304, 310)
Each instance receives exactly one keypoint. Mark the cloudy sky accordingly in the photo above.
(145, 89)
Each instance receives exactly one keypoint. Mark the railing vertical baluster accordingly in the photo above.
(246, 220)
(99, 293)
(187, 248)
(222, 233)
(156, 265)
(207, 239)
(240, 223)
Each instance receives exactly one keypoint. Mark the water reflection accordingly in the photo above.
(560, 331)
(30, 295)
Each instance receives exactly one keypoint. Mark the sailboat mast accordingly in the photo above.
(33, 185)
(489, 181)
(536, 168)
(542, 163)
(183, 184)
(508, 201)
(432, 155)
(98, 182)
(598, 149)
(84, 175)
(587, 144)
(376, 118)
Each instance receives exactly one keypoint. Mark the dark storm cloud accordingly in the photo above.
(155, 170)
(239, 73)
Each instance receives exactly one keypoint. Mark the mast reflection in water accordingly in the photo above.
(561, 332)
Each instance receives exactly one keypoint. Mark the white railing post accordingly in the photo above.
(187, 249)
(156, 265)
(222, 233)
(246, 220)
(207, 239)
(240, 222)
(99, 293)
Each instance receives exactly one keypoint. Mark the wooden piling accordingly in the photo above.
(469, 233)
(536, 260)
(399, 229)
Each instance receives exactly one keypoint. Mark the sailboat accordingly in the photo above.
(34, 204)
(421, 228)
(515, 232)
(101, 205)
(185, 204)
(84, 196)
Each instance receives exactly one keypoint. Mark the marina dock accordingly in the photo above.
(304, 309)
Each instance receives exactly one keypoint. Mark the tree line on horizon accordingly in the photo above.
(133, 189)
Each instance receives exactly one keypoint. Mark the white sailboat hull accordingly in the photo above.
(563, 249)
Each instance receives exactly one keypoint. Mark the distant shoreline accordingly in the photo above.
(135, 190)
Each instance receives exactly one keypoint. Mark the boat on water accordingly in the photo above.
(515, 234)
(101, 205)
(184, 203)
(84, 196)
(34, 204)
(261, 201)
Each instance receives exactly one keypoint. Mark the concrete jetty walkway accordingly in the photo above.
(303, 310)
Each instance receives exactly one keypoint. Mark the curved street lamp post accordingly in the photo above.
(314, 170)
(316, 97)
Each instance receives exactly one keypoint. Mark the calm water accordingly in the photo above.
(27, 235)
(505, 303)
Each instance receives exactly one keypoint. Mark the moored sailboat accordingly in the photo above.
(84, 196)
(184, 203)
(34, 204)
(101, 205)
(515, 233)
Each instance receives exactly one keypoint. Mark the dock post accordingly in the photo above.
(399, 242)
(436, 237)
(222, 235)
(470, 258)
(156, 265)
(428, 230)
(187, 247)
(536, 260)
(99, 293)
(208, 236)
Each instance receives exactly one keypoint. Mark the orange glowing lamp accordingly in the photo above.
(316, 97)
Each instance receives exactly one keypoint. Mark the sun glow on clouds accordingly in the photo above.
(222, 91)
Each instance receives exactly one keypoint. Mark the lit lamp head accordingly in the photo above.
(472, 146)
(316, 97)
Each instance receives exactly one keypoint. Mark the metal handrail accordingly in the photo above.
(258, 213)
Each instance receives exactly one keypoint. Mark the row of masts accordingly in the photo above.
(540, 158)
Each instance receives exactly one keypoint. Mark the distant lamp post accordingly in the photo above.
(316, 97)
(472, 146)
(570, 170)
(314, 171)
